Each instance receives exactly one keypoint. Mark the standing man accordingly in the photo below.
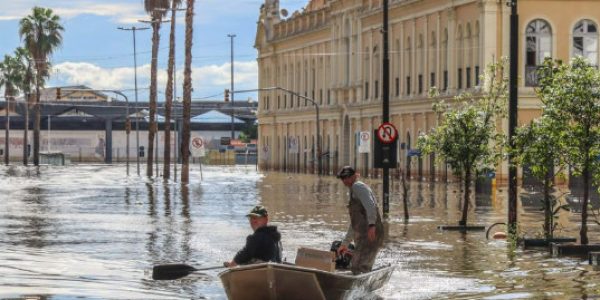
(366, 228)
(263, 245)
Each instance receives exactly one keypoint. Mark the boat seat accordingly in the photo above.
(316, 259)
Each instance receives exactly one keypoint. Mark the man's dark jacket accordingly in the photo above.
(264, 244)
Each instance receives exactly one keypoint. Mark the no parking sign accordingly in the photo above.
(197, 147)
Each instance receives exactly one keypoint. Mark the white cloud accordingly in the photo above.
(120, 11)
(206, 80)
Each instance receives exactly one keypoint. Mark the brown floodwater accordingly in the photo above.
(92, 232)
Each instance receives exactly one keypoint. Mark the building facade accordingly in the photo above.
(332, 52)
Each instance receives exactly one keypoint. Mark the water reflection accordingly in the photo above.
(114, 229)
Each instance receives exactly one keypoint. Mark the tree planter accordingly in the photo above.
(573, 250)
(532, 243)
(594, 258)
(461, 227)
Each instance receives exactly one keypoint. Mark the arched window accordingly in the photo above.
(445, 60)
(539, 46)
(366, 72)
(432, 59)
(585, 41)
(460, 58)
(408, 64)
(421, 63)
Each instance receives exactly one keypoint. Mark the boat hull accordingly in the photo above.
(283, 281)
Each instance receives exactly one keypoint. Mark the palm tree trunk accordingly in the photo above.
(153, 73)
(6, 129)
(169, 98)
(36, 124)
(26, 131)
(187, 92)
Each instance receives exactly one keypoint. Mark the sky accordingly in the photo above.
(96, 54)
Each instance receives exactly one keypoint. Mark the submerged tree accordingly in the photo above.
(187, 92)
(169, 93)
(571, 97)
(538, 145)
(12, 76)
(467, 138)
(156, 10)
(42, 35)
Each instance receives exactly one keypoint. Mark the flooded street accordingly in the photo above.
(91, 232)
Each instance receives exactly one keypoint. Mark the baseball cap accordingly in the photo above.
(258, 211)
(346, 172)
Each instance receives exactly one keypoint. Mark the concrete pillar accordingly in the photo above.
(451, 49)
(488, 33)
(108, 141)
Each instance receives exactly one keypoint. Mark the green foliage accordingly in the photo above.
(466, 137)
(42, 35)
(571, 97)
(250, 130)
(538, 145)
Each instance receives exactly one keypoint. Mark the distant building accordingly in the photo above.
(331, 52)
(80, 93)
(90, 125)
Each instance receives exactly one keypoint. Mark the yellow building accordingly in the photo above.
(332, 52)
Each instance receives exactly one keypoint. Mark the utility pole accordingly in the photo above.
(513, 115)
(231, 36)
(133, 29)
(386, 103)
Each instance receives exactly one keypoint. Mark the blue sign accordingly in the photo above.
(413, 152)
(491, 174)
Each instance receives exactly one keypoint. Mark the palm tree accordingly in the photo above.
(187, 92)
(41, 33)
(12, 73)
(156, 10)
(169, 94)
(22, 55)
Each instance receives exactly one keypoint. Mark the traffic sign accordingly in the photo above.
(197, 147)
(364, 144)
(387, 133)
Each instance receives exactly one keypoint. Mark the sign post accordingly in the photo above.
(385, 156)
(197, 149)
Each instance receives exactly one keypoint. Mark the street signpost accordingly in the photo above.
(197, 149)
(386, 146)
(387, 133)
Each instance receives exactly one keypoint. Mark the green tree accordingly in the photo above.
(467, 138)
(41, 33)
(169, 93)
(571, 97)
(538, 146)
(187, 91)
(156, 10)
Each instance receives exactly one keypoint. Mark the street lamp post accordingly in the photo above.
(231, 36)
(386, 103)
(137, 125)
(319, 164)
(512, 114)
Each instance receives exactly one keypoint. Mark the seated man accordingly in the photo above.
(263, 245)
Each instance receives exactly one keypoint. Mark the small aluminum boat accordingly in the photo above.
(288, 281)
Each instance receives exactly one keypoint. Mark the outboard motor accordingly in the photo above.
(342, 261)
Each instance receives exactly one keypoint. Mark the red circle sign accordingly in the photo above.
(387, 133)
(197, 142)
